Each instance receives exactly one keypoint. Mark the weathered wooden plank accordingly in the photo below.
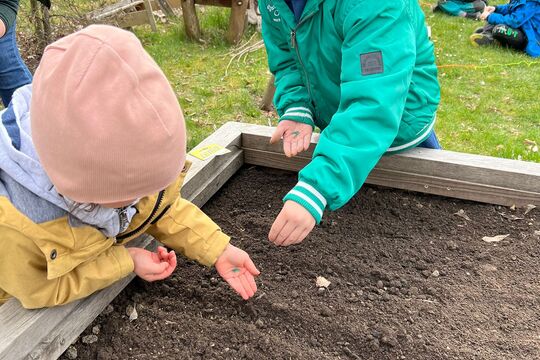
(222, 3)
(47, 333)
(131, 19)
(218, 174)
(228, 136)
(165, 6)
(150, 15)
(408, 180)
(465, 176)
(113, 10)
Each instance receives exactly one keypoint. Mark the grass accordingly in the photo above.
(490, 98)
(209, 96)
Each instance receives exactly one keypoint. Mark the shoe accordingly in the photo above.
(481, 39)
(479, 30)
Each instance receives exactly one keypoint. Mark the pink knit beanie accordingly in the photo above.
(106, 124)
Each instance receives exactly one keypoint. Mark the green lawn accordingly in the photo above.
(490, 96)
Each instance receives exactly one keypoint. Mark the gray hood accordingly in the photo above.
(20, 164)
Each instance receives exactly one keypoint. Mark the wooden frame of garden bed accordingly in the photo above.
(46, 333)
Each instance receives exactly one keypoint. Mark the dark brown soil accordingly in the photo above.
(410, 279)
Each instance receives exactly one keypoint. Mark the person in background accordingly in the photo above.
(471, 9)
(92, 155)
(515, 25)
(13, 71)
(364, 72)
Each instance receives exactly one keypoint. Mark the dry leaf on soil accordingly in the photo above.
(131, 311)
(528, 208)
(497, 238)
(322, 282)
(511, 217)
(461, 213)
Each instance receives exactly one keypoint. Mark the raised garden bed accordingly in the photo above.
(411, 277)
(46, 333)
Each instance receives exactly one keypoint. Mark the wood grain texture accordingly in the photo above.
(150, 15)
(165, 6)
(459, 175)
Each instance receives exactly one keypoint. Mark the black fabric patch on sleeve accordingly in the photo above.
(371, 63)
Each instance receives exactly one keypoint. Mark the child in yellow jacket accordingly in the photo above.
(92, 155)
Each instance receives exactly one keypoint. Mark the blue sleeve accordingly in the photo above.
(516, 19)
(502, 9)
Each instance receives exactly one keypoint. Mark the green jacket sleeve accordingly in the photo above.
(8, 12)
(291, 98)
(378, 57)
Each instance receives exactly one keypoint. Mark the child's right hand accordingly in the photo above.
(235, 266)
(153, 266)
(296, 136)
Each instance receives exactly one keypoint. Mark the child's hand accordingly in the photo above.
(488, 10)
(296, 136)
(292, 225)
(153, 266)
(235, 267)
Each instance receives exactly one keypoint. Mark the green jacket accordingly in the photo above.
(364, 72)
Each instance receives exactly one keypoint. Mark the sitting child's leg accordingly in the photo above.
(464, 8)
(507, 36)
(483, 36)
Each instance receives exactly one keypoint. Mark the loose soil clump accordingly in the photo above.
(410, 278)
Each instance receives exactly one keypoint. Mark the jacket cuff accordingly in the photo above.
(125, 262)
(216, 246)
(7, 16)
(301, 114)
(311, 199)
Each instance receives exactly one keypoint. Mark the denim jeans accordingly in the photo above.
(431, 142)
(13, 71)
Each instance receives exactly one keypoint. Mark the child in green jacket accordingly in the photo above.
(364, 72)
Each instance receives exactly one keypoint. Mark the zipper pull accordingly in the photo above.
(293, 39)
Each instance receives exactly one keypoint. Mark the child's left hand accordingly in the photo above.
(488, 10)
(235, 267)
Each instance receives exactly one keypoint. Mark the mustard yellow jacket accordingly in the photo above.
(52, 263)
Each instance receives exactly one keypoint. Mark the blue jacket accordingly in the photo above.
(523, 15)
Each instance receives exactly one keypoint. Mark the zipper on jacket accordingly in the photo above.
(154, 210)
(294, 45)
